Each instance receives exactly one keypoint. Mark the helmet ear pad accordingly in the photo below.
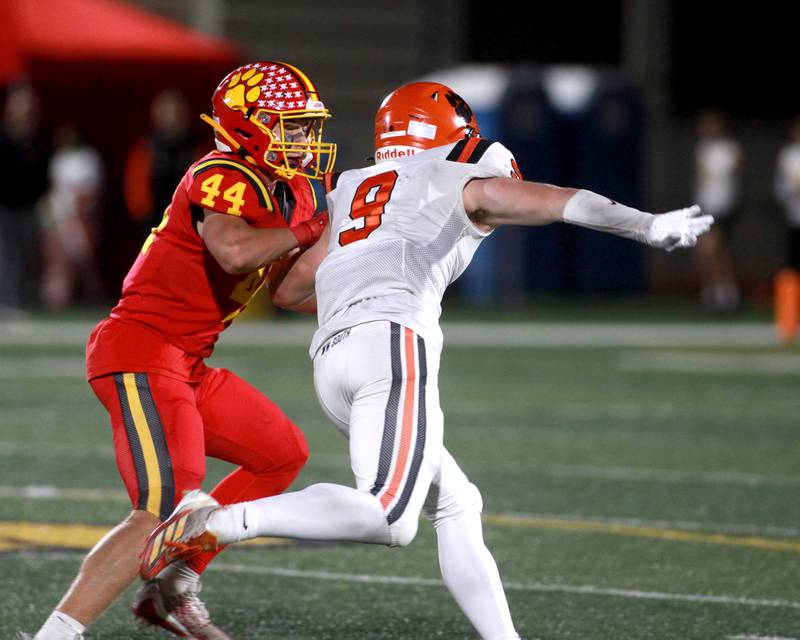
(252, 139)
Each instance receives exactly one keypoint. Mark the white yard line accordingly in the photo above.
(511, 586)
(705, 363)
(669, 476)
(333, 460)
(470, 334)
(759, 638)
(682, 525)
(14, 368)
(544, 334)
(415, 581)
(49, 492)
(38, 450)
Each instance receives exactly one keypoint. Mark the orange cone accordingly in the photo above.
(787, 304)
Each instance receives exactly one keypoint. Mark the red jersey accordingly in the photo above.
(177, 299)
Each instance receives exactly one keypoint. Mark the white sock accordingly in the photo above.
(471, 575)
(319, 512)
(177, 578)
(60, 626)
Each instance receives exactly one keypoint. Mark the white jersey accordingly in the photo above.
(400, 236)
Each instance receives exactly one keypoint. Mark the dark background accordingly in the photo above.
(677, 56)
(735, 57)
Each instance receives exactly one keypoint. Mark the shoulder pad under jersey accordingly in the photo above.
(305, 198)
(486, 153)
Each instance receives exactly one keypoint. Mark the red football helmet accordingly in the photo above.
(421, 115)
(271, 115)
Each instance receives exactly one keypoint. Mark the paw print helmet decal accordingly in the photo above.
(271, 115)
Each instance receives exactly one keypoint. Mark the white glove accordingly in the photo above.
(679, 228)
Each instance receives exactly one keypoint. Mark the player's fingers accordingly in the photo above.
(693, 211)
(701, 225)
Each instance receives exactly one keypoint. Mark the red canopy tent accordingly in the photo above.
(42, 32)
(97, 64)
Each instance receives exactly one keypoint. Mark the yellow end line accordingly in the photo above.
(641, 532)
(15, 536)
(18, 535)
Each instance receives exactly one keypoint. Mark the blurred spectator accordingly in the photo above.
(24, 155)
(719, 161)
(68, 221)
(157, 162)
(787, 191)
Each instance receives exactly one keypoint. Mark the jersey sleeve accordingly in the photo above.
(501, 160)
(480, 158)
(307, 200)
(226, 186)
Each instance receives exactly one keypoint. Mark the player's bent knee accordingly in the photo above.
(467, 501)
(287, 455)
(300, 456)
(359, 513)
(404, 530)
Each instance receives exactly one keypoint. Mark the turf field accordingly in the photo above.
(640, 480)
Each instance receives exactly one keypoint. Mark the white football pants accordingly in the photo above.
(378, 383)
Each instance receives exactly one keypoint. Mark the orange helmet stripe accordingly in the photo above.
(466, 152)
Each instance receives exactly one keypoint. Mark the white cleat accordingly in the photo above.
(184, 614)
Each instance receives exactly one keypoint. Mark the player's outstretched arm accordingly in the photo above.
(668, 231)
(240, 248)
(491, 202)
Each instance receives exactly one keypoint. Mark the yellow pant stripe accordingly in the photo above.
(146, 442)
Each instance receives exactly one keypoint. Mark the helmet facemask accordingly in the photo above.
(295, 144)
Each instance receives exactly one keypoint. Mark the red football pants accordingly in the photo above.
(163, 430)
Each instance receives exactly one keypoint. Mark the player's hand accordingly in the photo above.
(679, 228)
(309, 231)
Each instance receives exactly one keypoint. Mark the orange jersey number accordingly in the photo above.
(369, 203)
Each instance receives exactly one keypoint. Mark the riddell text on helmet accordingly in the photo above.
(396, 151)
